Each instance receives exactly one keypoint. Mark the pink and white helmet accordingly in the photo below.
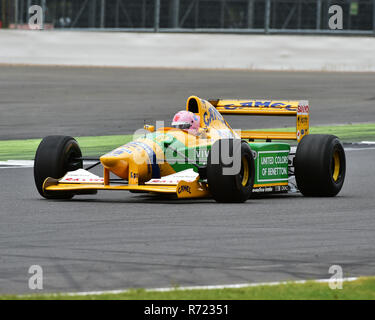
(186, 120)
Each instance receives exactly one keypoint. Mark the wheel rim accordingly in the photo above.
(336, 166)
(244, 171)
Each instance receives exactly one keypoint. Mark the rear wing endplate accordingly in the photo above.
(298, 109)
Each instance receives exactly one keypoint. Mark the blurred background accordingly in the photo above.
(248, 16)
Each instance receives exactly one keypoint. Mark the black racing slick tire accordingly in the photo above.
(55, 156)
(237, 186)
(320, 165)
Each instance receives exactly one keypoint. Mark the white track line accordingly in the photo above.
(359, 149)
(212, 287)
(16, 164)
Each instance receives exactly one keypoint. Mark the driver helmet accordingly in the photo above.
(187, 121)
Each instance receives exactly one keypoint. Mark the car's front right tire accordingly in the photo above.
(55, 156)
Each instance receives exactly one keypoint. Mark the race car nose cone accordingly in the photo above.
(109, 162)
(118, 166)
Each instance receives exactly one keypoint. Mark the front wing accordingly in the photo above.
(184, 184)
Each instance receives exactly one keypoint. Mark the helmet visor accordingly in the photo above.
(181, 125)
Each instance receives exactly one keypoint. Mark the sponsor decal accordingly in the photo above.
(133, 175)
(159, 181)
(211, 115)
(262, 189)
(152, 157)
(272, 189)
(302, 120)
(272, 166)
(303, 109)
(70, 179)
(187, 175)
(261, 104)
(270, 160)
(119, 151)
(81, 176)
(184, 188)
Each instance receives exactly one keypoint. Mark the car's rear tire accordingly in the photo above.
(55, 156)
(231, 187)
(320, 165)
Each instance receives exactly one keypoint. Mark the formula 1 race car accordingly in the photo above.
(213, 161)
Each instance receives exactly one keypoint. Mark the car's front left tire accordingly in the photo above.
(236, 186)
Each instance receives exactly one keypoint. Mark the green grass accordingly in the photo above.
(96, 146)
(363, 289)
(91, 146)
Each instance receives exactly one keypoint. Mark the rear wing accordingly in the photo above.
(298, 109)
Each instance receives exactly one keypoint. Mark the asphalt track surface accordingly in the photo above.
(122, 240)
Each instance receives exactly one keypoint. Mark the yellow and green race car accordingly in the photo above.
(213, 160)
